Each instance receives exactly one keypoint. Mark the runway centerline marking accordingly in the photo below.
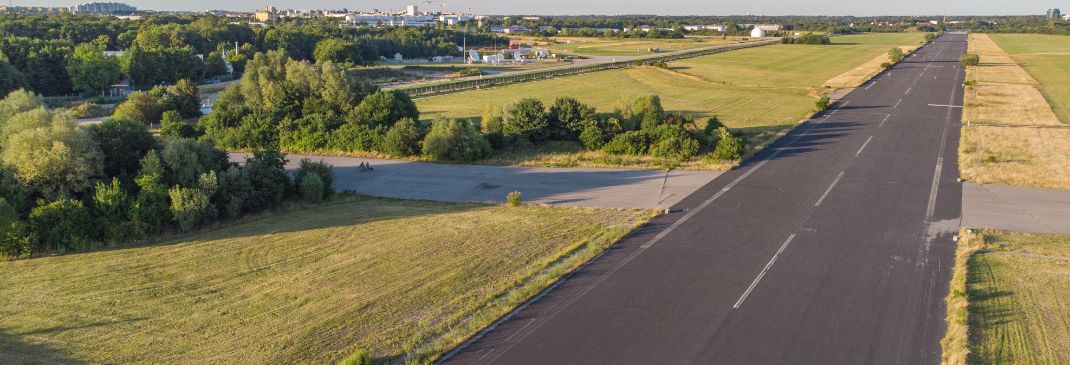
(908, 90)
(946, 105)
(897, 103)
(762, 274)
(829, 190)
(863, 146)
(885, 120)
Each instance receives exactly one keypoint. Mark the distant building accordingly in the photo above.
(718, 28)
(266, 14)
(757, 33)
(1054, 13)
(410, 10)
(765, 27)
(102, 8)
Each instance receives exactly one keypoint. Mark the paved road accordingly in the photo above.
(832, 247)
(1016, 209)
(599, 188)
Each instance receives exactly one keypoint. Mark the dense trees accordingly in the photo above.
(64, 187)
(162, 49)
(90, 70)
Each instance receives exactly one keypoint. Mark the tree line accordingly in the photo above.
(298, 106)
(63, 54)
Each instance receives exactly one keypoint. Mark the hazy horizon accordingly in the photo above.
(608, 7)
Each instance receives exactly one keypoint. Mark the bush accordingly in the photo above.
(384, 108)
(139, 107)
(513, 198)
(61, 225)
(526, 118)
(123, 143)
(896, 55)
(14, 242)
(403, 138)
(823, 103)
(87, 110)
(172, 125)
(321, 169)
(728, 147)
(970, 59)
(311, 187)
(710, 131)
(150, 210)
(647, 111)
(268, 181)
(886, 65)
(673, 141)
(593, 137)
(233, 191)
(190, 207)
(355, 137)
(111, 209)
(628, 143)
(359, 357)
(455, 140)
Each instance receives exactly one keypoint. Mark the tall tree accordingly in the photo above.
(91, 70)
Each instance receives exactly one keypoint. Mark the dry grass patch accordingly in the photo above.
(1030, 157)
(394, 277)
(1019, 295)
(1007, 104)
(859, 75)
(1004, 93)
(996, 65)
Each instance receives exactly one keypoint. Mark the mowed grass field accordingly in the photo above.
(1047, 59)
(1019, 293)
(393, 277)
(588, 46)
(756, 87)
(794, 66)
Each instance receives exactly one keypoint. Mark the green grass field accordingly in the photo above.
(793, 66)
(1019, 297)
(629, 47)
(390, 276)
(755, 87)
(1047, 59)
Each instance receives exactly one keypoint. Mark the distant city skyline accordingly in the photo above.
(612, 7)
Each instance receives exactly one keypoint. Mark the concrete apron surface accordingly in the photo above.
(1016, 209)
(583, 187)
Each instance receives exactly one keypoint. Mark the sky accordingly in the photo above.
(614, 7)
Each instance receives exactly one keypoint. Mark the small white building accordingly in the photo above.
(757, 33)
(398, 57)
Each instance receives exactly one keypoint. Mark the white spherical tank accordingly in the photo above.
(757, 33)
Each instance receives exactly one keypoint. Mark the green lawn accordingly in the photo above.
(391, 276)
(764, 86)
(629, 47)
(1020, 300)
(1047, 59)
(794, 66)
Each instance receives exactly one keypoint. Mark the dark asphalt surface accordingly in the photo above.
(832, 247)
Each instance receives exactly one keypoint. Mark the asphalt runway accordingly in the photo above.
(832, 247)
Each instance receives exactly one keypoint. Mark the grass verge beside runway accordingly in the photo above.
(1004, 94)
(394, 277)
(1047, 59)
(1018, 287)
